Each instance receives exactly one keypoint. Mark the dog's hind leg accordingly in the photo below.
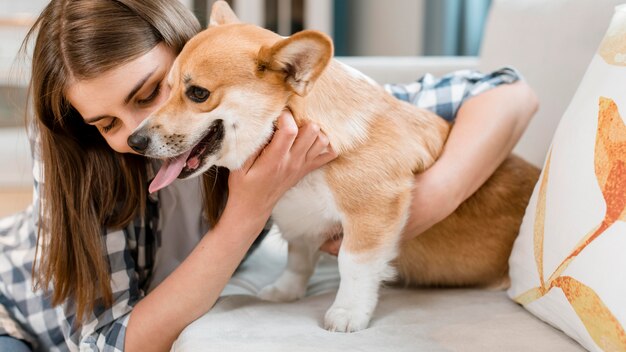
(292, 283)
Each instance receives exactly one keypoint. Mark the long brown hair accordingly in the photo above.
(87, 187)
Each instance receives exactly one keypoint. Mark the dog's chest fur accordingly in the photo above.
(308, 209)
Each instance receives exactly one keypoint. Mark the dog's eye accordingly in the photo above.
(197, 94)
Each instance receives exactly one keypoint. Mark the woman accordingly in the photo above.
(128, 271)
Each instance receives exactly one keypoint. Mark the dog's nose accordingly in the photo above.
(138, 142)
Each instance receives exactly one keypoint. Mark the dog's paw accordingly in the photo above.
(345, 319)
(275, 294)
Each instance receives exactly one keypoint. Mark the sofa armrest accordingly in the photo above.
(404, 69)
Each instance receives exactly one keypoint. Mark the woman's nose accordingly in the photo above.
(138, 142)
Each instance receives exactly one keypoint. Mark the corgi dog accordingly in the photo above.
(228, 85)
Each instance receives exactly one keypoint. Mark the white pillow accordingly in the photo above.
(568, 263)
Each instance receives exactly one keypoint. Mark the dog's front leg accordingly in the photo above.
(361, 275)
(291, 285)
(369, 245)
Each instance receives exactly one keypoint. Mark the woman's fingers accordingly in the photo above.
(294, 150)
(306, 145)
(285, 135)
(307, 135)
(324, 158)
(321, 145)
(291, 153)
(248, 164)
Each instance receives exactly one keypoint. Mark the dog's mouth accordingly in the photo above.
(187, 163)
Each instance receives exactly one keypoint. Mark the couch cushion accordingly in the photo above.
(405, 320)
(567, 263)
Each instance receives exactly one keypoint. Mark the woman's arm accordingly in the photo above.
(194, 287)
(486, 129)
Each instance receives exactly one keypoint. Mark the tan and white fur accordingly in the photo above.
(252, 75)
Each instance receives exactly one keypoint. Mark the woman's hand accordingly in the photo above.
(292, 153)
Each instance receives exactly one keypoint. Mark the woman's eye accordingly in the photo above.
(197, 94)
(151, 97)
(108, 127)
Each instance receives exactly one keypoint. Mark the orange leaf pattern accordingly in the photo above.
(602, 326)
(613, 46)
(610, 170)
(610, 159)
(540, 219)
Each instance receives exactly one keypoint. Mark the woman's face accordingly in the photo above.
(119, 100)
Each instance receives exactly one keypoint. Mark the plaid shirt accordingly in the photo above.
(30, 316)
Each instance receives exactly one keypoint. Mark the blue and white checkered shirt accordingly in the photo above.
(444, 95)
(29, 315)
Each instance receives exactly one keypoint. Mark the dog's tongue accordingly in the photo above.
(168, 172)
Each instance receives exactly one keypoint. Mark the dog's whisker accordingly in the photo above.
(236, 142)
(215, 178)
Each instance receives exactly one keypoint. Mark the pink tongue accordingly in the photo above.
(168, 172)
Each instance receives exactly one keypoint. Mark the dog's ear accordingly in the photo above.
(221, 14)
(301, 58)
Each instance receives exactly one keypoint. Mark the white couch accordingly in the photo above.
(550, 42)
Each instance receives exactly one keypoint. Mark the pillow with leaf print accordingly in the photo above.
(567, 265)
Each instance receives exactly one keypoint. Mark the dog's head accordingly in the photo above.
(228, 85)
